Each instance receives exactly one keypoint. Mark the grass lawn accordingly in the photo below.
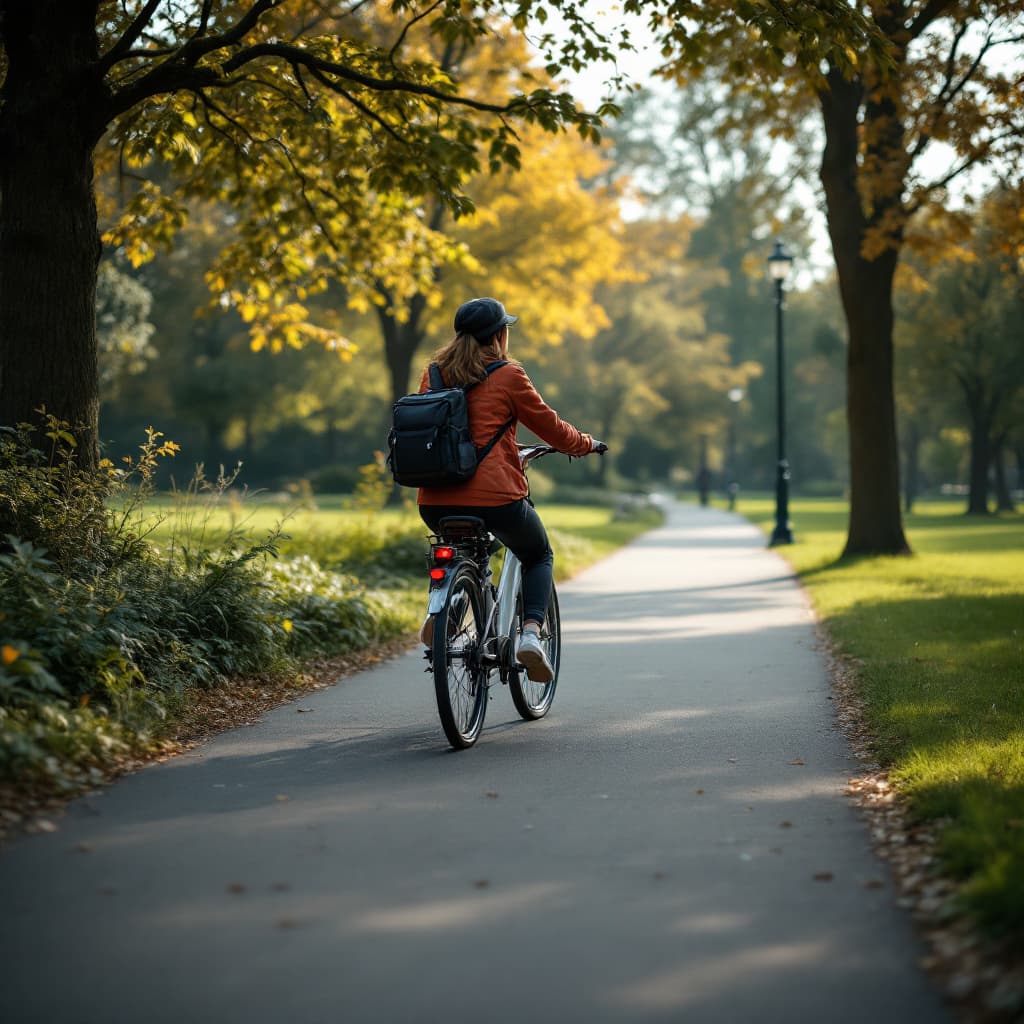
(940, 638)
(339, 536)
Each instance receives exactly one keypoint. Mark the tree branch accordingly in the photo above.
(981, 153)
(328, 68)
(204, 20)
(931, 12)
(408, 25)
(198, 44)
(130, 36)
(946, 93)
(171, 76)
(361, 107)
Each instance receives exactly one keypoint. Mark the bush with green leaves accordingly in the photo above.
(100, 629)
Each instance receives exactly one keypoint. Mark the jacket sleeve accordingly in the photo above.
(535, 414)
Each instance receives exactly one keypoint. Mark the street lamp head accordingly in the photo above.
(735, 395)
(780, 263)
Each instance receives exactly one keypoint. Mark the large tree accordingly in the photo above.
(541, 241)
(287, 110)
(290, 111)
(943, 81)
(964, 332)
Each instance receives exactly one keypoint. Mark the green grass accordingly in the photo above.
(940, 639)
(387, 546)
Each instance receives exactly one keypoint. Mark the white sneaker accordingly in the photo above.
(427, 631)
(533, 657)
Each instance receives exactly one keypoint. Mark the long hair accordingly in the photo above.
(463, 360)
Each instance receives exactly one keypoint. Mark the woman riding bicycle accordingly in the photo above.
(498, 492)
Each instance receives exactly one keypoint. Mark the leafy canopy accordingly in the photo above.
(323, 125)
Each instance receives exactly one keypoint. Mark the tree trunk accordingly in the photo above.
(330, 441)
(1004, 499)
(52, 116)
(980, 447)
(876, 525)
(981, 457)
(248, 439)
(911, 484)
(401, 340)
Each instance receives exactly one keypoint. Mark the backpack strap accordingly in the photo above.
(488, 370)
(436, 381)
(482, 452)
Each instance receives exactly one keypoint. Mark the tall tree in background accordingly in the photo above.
(945, 76)
(964, 326)
(123, 329)
(656, 375)
(541, 241)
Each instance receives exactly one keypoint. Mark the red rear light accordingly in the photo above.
(437, 574)
(444, 554)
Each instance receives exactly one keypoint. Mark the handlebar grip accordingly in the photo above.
(600, 448)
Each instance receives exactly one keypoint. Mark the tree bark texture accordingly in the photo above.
(981, 458)
(1004, 498)
(876, 524)
(980, 416)
(912, 467)
(50, 121)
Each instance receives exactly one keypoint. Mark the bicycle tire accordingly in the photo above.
(460, 682)
(534, 700)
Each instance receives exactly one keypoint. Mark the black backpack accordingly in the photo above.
(429, 444)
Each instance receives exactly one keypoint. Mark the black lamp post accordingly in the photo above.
(732, 483)
(779, 265)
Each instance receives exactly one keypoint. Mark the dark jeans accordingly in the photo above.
(519, 528)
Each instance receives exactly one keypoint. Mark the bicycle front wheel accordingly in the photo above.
(460, 680)
(533, 700)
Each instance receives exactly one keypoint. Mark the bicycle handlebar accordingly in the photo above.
(529, 452)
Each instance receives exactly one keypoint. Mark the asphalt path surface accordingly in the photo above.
(648, 852)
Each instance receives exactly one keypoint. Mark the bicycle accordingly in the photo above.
(477, 624)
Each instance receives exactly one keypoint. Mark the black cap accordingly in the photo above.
(482, 318)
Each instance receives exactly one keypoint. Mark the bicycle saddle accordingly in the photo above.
(458, 527)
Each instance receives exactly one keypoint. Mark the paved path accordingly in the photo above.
(647, 853)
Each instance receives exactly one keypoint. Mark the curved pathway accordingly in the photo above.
(671, 844)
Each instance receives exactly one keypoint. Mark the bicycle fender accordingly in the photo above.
(439, 594)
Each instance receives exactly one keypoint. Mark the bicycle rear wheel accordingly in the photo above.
(460, 681)
(533, 700)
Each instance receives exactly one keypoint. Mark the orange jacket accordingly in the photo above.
(506, 393)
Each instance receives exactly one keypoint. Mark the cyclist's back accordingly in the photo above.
(498, 491)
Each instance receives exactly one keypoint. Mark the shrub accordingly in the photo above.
(101, 630)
